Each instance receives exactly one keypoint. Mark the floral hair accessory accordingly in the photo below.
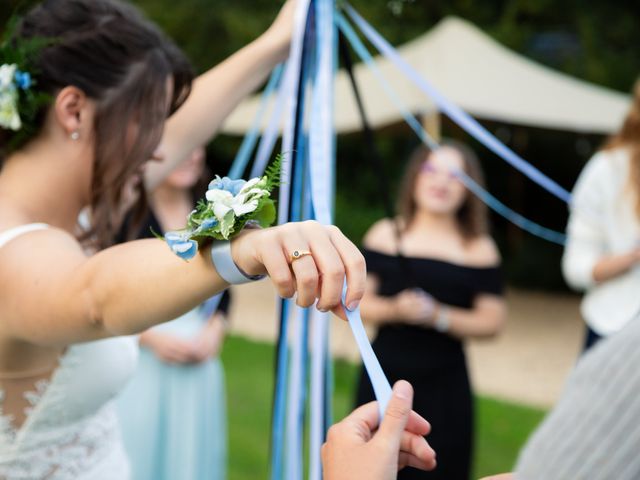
(20, 103)
(12, 81)
(229, 206)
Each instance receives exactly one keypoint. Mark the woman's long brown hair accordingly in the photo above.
(120, 60)
(628, 137)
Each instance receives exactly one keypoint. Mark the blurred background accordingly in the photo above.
(518, 375)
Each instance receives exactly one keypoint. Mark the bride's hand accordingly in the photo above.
(317, 276)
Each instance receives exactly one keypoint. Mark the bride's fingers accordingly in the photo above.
(303, 268)
(277, 265)
(333, 257)
(329, 263)
(354, 265)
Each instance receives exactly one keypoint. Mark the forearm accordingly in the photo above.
(475, 322)
(214, 96)
(378, 309)
(134, 286)
(612, 266)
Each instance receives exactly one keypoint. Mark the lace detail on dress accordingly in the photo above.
(6, 421)
(80, 452)
(34, 396)
(8, 427)
(71, 430)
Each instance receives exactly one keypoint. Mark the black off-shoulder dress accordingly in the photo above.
(433, 362)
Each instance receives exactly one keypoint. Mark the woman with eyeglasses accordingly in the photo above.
(434, 279)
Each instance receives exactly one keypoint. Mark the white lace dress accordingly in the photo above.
(70, 431)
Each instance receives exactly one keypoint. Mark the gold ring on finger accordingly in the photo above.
(298, 254)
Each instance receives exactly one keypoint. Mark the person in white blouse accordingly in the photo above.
(603, 235)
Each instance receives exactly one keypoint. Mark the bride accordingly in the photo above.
(112, 79)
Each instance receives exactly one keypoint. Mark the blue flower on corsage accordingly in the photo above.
(228, 207)
(181, 244)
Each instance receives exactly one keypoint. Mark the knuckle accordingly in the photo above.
(333, 433)
(283, 284)
(308, 280)
(398, 411)
(333, 230)
(310, 224)
(335, 272)
(358, 262)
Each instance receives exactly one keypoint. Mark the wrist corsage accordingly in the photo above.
(230, 206)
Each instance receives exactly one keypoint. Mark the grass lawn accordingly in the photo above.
(501, 429)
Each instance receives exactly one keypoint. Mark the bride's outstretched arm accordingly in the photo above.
(53, 295)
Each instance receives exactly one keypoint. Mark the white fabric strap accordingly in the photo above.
(12, 233)
(226, 267)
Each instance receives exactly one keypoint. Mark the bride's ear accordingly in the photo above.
(74, 112)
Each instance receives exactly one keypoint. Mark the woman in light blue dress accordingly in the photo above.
(173, 412)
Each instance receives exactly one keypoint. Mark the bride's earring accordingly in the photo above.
(75, 135)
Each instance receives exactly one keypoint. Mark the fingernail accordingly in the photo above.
(353, 305)
(322, 309)
(402, 389)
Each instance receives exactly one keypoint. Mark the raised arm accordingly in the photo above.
(218, 91)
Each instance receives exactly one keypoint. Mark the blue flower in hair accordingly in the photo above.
(23, 80)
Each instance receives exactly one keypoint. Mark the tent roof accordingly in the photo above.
(481, 76)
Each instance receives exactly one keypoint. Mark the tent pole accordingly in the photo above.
(432, 123)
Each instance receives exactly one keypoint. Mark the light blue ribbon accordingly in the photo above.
(297, 369)
(289, 94)
(318, 399)
(491, 201)
(249, 142)
(321, 151)
(454, 112)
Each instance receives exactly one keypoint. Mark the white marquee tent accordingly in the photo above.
(486, 79)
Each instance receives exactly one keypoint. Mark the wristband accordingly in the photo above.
(442, 322)
(226, 267)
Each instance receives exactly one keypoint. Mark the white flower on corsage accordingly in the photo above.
(229, 206)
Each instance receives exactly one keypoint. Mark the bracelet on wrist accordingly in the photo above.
(442, 321)
(226, 267)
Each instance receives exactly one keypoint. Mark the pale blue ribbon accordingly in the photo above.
(298, 208)
(454, 112)
(491, 201)
(249, 142)
(289, 94)
(321, 151)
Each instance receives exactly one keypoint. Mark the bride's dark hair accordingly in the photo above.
(123, 62)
